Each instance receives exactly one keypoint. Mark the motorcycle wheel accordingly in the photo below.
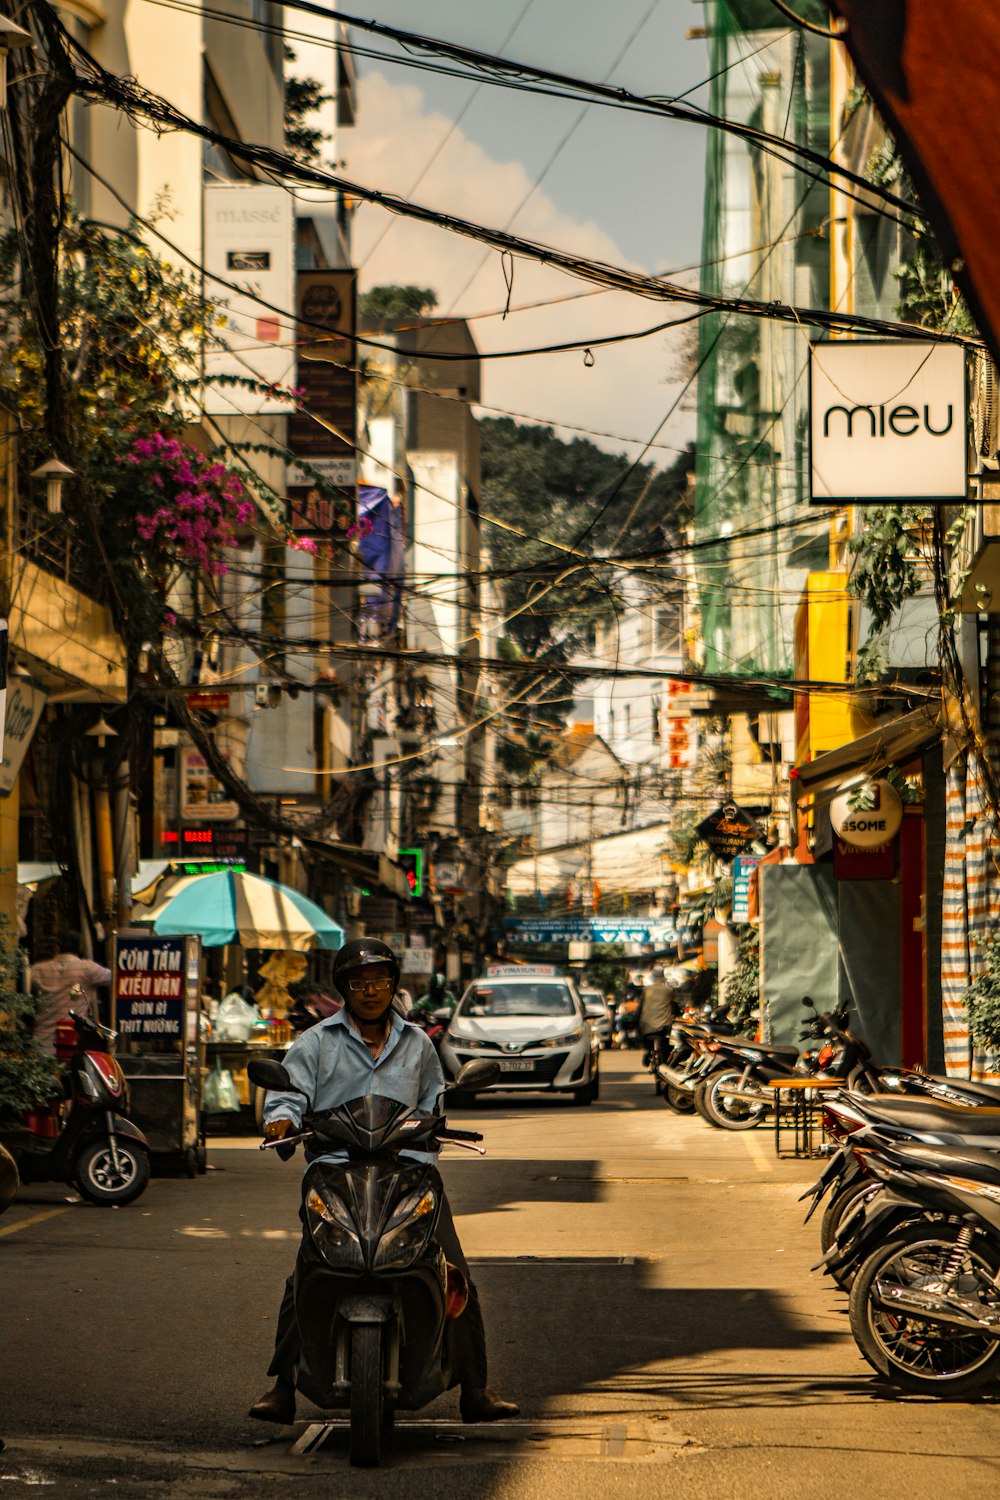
(595, 1084)
(739, 1114)
(699, 1101)
(367, 1417)
(101, 1182)
(914, 1353)
(679, 1100)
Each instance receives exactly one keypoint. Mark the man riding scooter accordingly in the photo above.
(368, 1049)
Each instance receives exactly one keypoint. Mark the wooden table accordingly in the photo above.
(801, 1106)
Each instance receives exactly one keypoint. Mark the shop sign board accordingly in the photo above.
(887, 421)
(149, 985)
(729, 831)
(323, 432)
(249, 235)
(867, 827)
(25, 703)
(852, 863)
(417, 961)
(203, 797)
(743, 867)
(590, 929)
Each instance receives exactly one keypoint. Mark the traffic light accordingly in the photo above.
(412, 862)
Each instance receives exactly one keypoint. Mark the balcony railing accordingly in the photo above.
(53, 544)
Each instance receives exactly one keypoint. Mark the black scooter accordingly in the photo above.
(735, 1096)
(374, 1295)
(88, 1142)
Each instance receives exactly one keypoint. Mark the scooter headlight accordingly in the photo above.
(332, 1227)
(407, 1232)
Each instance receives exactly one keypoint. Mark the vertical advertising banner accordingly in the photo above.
(324, 431)
(149, 986)
(250, 266)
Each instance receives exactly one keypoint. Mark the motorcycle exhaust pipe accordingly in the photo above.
(677, 1078)
(738, 1093)
(927, 1306)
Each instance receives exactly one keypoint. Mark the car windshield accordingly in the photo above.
(543, 998)
(593, 1003)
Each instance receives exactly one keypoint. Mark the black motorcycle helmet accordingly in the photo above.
(359, 954)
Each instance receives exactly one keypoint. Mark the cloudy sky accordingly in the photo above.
(620, 188)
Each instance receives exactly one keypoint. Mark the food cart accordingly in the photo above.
(156, 1010)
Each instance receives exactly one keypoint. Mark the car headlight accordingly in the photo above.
(457, 1040)
(407, 1232)
(568, 1040)
(332, 1227)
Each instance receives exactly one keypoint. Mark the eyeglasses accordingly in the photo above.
(358, 983)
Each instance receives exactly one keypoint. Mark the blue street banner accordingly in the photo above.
(590, 930)
(743, 867)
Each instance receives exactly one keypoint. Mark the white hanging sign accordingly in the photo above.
(887, 421)
(870, 827)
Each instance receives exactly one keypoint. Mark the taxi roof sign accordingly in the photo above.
(514, 971)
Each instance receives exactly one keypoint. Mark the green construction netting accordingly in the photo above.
(763, 237)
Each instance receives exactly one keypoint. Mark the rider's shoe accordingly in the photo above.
(483, 1406)
(278, 1405)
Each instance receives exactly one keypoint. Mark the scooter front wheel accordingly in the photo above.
(366, 1395)
(103, 1181)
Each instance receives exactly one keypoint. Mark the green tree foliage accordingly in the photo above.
(547, 488)
(303, 96)
(983, 997)
(26, 1076)
(886, 572)
(741, 987)
(387, 304)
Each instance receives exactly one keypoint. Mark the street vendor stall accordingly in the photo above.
(232, 908)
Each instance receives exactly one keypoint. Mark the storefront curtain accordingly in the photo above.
(970, 906)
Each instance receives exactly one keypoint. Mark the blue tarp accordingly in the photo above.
(382, 551)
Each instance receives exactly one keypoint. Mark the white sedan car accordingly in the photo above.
(535, 1027)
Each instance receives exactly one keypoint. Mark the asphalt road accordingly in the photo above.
(648, 1299)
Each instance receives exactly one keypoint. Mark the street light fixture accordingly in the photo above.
(55, 473)
(12, 36)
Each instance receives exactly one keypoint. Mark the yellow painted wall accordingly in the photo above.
(823, 653)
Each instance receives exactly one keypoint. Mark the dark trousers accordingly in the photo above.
(467, 1335)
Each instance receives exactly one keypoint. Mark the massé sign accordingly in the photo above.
(887, 421)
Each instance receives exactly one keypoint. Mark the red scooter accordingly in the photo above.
(86, 1137)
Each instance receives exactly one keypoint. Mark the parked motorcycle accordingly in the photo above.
(374, 1296)
(87, 1139)
(849, 1119)
(925, 1303)
(734, 1095)
(689, 1059)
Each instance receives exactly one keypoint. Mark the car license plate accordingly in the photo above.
(516, 1064)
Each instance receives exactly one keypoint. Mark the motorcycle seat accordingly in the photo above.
(928, 1114)
(949, 1161)
(783, 1054)
(985, 1093)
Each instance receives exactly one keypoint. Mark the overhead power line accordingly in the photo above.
(140, 104)
(505, 70)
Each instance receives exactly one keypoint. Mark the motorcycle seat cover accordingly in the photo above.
(950, 1161)
(785, 1053)
(928, 1114)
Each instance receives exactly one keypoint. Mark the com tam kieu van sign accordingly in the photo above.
(887, 421)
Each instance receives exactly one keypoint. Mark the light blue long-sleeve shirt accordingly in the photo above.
(331, 1064)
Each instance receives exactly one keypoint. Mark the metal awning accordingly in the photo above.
(894, 743)
(366, 865)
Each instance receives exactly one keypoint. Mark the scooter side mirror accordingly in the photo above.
(473, 1076)
(808, 1003)
(268, 1074)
